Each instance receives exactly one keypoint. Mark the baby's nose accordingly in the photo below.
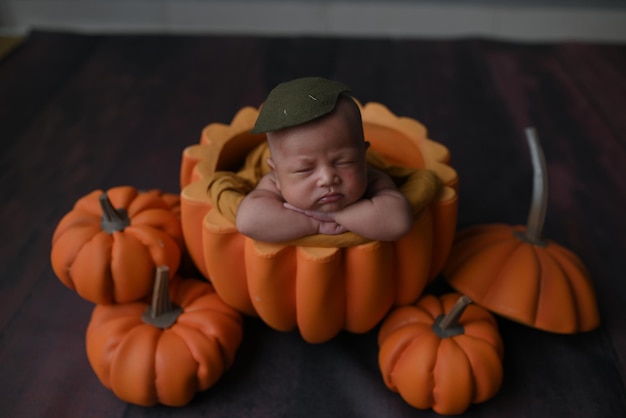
(328, 176)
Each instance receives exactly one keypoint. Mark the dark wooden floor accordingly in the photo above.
(80, 113)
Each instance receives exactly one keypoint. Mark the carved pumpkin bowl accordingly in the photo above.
(317, 285)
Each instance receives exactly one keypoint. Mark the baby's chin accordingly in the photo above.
(333, 206)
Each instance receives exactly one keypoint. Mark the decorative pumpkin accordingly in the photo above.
(310, 284)
(108, 246)
(514, 272)
(442, 353)
(168, 351)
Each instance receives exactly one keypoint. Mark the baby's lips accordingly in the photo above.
(330, 198)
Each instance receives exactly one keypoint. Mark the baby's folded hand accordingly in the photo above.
(331, 228)
(320, 216)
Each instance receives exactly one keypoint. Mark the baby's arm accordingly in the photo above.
(384, 214)
(262, 216)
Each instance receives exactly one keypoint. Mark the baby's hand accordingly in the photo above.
(331, 228)
(319, 215)
(327, 224)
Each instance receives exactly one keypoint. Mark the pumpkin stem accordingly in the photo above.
(161, 313)
(448, 325)
(112, 219)
(539, 203)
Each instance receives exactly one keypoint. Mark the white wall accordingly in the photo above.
(590, 20)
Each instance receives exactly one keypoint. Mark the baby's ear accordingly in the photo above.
(367, 144)
(272, 165)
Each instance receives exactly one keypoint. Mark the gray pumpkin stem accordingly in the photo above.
(112, 219)
(447, 326)
(451, 319)
(539, 199)
(161, 313)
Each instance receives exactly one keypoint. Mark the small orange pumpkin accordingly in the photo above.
(108, 246)
(514, 272)
(168, 351)
(441, 353)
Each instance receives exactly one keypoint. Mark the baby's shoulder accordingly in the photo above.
(268, 182)
(378, 180)
(375, 175)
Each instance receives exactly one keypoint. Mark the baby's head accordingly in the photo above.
(318, 155)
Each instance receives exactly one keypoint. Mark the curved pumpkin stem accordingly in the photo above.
(161, 313)
(539, 202)
(448, 325)
(112, 219)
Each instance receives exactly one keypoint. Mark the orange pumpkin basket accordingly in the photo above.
(316, 285)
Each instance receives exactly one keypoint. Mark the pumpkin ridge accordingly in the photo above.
(129, 259)
(542, 279)
(475, 313)
(146, 200)
(216, 307)
(401, 317)
(74, 219)
(499, 297)
(163, 249)
(154, 217)
(485, 332)
(222, 338)
(430, 305)
(197, 319)
(558, 251)
(545, 259)
(582, 288)
(116, 313)
(186, 292)
(89, 203)
(476, 364)
(106, 325)
(515, 246)
(439, 405)
(470, 277)
(175, 381)
(121, 196)
(119, 329)
(101, 271)
(200, 311)
(136, 337)
(66, 248)
(467, 249)
(404, 347)
(421, 336)
(203, 362)
(457, 341)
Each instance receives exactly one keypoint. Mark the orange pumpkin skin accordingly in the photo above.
(543, 286)
(105, 267)
(145, 365)
(446, 374)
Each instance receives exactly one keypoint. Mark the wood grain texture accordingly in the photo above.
(86, 112)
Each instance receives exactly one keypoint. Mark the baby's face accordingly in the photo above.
(321, 165)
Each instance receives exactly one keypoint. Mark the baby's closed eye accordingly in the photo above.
(302, 170)
(344, 163)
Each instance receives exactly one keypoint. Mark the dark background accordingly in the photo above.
(86, 112)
